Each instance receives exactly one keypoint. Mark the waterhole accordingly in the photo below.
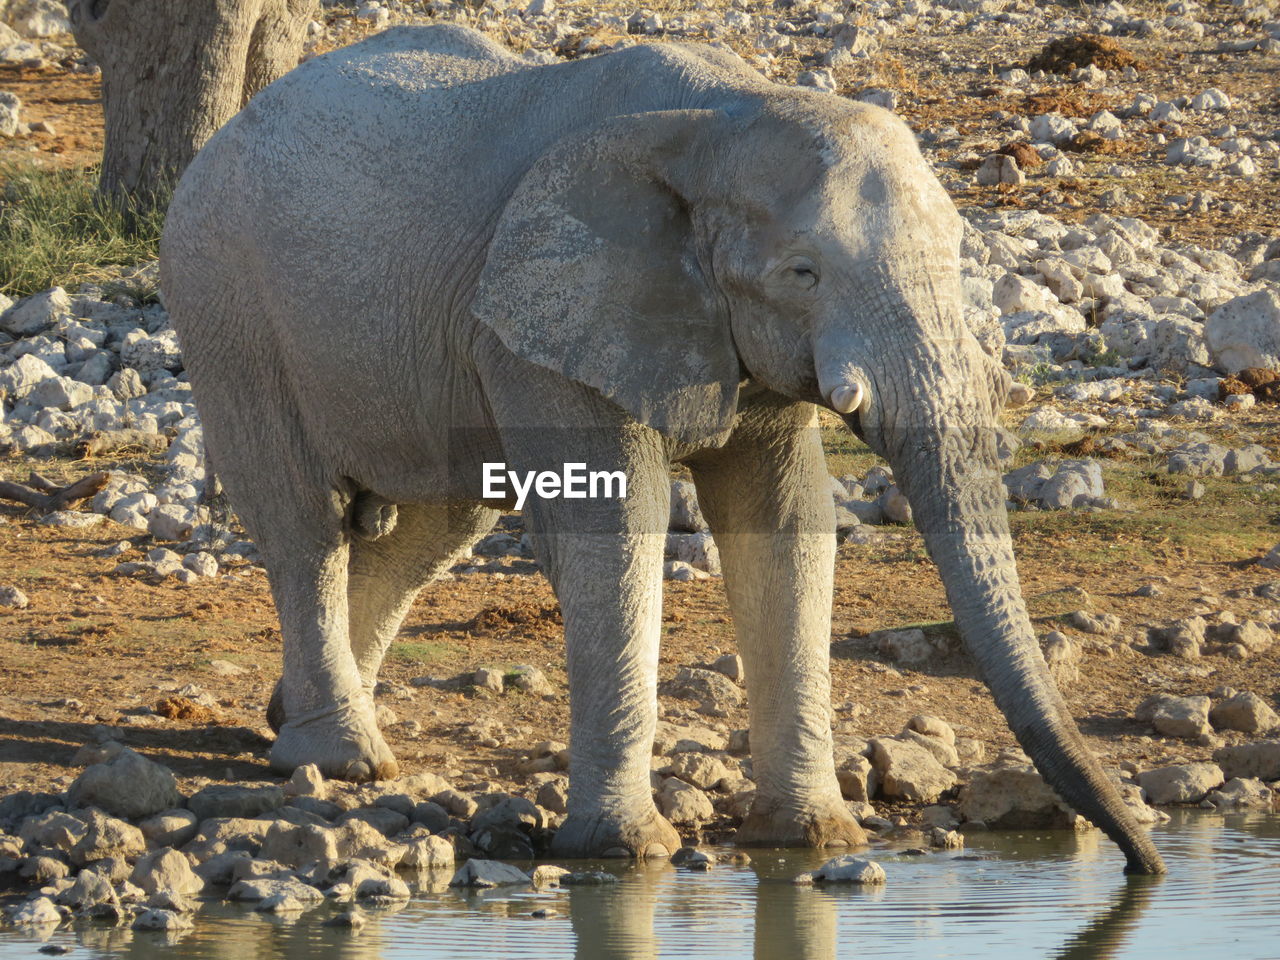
(1006, 895)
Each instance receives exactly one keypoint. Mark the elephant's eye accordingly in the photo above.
(804, 275)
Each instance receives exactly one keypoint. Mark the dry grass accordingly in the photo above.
(53, 230)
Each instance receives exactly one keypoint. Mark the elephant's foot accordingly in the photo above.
(345, 745)
(648, 835)
(788, 825)
(275, 706)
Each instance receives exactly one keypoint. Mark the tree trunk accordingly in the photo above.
(173, 72)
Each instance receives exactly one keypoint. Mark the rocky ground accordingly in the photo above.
(1121, 257)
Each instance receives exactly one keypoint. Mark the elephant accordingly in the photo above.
(421, 254)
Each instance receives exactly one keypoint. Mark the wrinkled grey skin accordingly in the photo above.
(419, 253)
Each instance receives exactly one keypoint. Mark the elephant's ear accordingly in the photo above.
(593, 272)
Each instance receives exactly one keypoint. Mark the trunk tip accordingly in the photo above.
(1143, 860)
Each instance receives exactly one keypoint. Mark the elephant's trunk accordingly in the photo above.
(952, 480)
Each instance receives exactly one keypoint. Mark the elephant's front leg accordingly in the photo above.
(767, 497)
(604, 560)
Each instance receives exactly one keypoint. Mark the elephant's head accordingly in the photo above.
(801, 241)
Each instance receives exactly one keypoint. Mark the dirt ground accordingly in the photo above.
(95, 654)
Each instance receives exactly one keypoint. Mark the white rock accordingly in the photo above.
(1260, 760)
(909, 770)
(847, 869)
(1107, 124)
(148, 353)
(818, 79)
(548, 875)
(1060, 167)
(1061, 279)
(12, 597)
(202, 563)
(1052, 128)
(131, 510)
(894, 505)
(37, 18)
(488, 873)
(38, 312)
(679, 570)
(1193, 151)
(1109, 285)
(260, 888)
(886, 99)
(699, 769)
(127, 785)
(167, 870)
(89, 889)
(428, 852)
(126, 384)
(1212, 99)
(34, 440)
(10, 118)
(1185, 717)
(171, 828)
(171, 521)
(696, 549)
(1015, 294)
(60, 393)
(1245, 332)
(1246, 712)
(1014, 796)
(1183, 783)
(686, 517)
(374, 13)
(684, 803)
(36, 913)
(1073, 484)
(999, 168)
(280, 903)
(1090, 74)
(307, 780)
(20, 377)
(1244, 167)
(909, 647)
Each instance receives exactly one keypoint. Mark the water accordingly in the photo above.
(1027, 896)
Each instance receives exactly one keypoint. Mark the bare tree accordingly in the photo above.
(173, 72)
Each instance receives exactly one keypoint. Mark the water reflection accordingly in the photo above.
(1111, 929)
(607, 926)
(1008, 896)
(792, 921)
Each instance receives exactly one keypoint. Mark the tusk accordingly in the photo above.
(846, 398)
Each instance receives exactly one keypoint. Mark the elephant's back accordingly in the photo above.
(350, 153)
(401, 97)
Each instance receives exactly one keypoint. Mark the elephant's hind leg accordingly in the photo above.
(295, 514)
(330, 716)
(385, 575)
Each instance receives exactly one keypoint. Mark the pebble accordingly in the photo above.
(12, 597)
